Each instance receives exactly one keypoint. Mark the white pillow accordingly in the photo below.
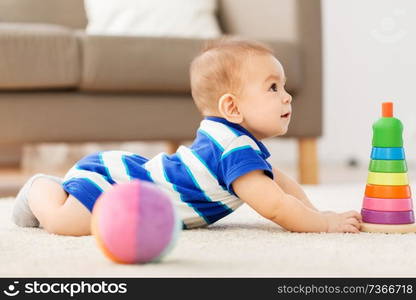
(179, 18)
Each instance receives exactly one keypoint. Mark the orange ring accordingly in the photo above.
(387, 191)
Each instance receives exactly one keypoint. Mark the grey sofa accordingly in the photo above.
(58, 84)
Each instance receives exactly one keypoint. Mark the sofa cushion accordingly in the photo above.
(37, 56)
(260, 19)
(177, 18)
(149, 64)
(68, 13)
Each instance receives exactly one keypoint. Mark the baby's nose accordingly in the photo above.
(288, 98)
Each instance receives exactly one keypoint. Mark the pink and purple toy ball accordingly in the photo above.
(135, 222)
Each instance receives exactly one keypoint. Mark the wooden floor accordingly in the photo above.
(10, 181)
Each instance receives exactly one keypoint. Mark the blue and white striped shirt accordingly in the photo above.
(198, 178)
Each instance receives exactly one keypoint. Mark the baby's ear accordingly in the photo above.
(228, 108)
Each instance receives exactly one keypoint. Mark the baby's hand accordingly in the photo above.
(343, 222)
(327, 212)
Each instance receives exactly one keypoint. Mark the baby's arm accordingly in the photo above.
(291, 187)
(266, 197)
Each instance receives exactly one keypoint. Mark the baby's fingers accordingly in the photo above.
(354, 222)
(353, 214)
(350, 228)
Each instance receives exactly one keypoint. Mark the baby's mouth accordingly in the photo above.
(286, 115)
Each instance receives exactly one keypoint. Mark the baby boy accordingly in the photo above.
(239, 88)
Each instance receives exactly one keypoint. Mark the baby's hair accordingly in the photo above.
(217, 69)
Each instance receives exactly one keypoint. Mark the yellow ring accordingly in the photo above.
(387, 178)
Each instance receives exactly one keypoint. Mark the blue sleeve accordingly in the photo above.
(240, 161)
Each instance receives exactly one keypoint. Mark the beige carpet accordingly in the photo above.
(241, 245)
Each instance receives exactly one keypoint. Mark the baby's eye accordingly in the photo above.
(273, 87)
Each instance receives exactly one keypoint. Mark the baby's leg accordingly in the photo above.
(56, 211)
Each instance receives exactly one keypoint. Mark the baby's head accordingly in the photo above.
(243, 82)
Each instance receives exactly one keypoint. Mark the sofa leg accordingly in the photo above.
(172, 146)
(308, 161)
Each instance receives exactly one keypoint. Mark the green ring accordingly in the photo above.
(388, 166)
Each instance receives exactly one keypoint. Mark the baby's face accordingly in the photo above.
(264, 102)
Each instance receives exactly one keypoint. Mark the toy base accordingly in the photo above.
(384, 228)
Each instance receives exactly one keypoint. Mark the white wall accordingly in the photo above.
(369, 57)
(369, 53)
